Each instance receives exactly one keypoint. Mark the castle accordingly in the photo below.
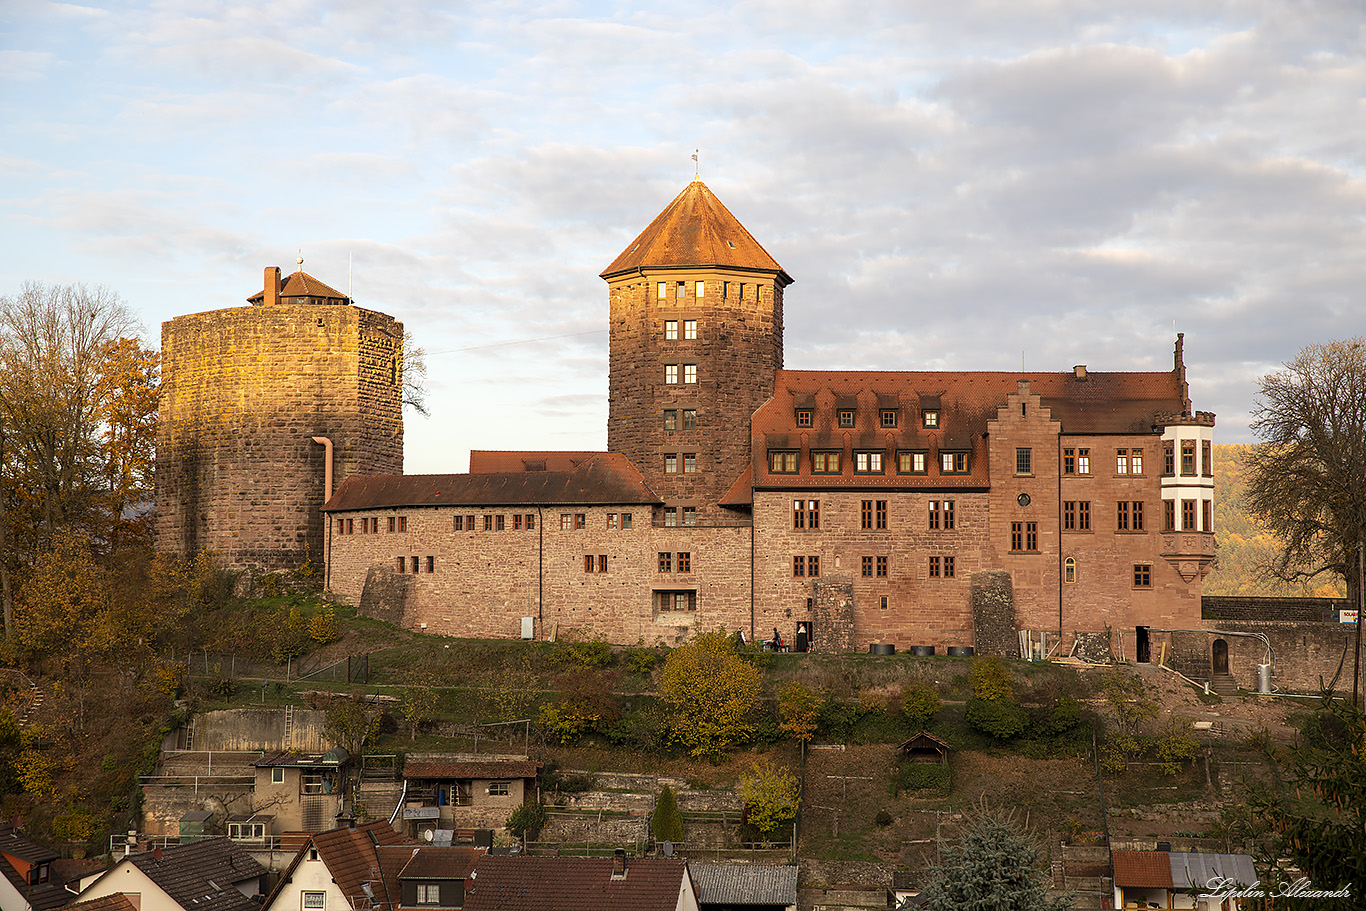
(260, 406)
(837, 509)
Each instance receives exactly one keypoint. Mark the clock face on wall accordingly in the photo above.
(1023, 499)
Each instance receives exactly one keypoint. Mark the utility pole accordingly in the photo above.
(1361, 609)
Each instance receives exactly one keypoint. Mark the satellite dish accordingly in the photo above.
(428, 834)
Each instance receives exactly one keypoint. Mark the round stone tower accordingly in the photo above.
(244, 392)
(696, 341)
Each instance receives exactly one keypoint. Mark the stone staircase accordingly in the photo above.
(1223, 685)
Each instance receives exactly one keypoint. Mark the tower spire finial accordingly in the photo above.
(696, 165)
(299, 260)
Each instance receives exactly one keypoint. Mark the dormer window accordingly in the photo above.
(930, 418)
(846, 418)
(953, 463)
(803, 417)
(782, 461)
(888, 418)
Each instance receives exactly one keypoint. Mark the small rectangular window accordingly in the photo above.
(882, 515)
(689, 463)
(882, 567)
(663, 290)
(666, 562)
(934, 567)
(402, 564)
(517, 523)
(488, 523)
(1206, 459)
(882, 603)
(948, 515)
(1143, 575)
(953, 462)
(625, 521)
(392, 524)
(671, 463)
(690, 373)
(934, 515)
(1135, 461)
(813, 566)
(799, 566)
(580, 521)
(1069, 515)
(414, 561)
(611, 521)
(868, 567)
(469, 523)
(500, 523)
(689, 418)
(1121, 516)
(1169, 515)
(1188, 457)
(277, 776)
(931, 418)
(1206, 514)
(602, 563)
(782, 461)
(350, 526)
(315, 900)
(868, 462)
(671, 374)
(428, 894)
(1083, 461)
(725, 290)
(588, 563)
(700, 289)
(806, 513)
(1168, 458)
(682, 289)
(888, 418)
(1083, 516)
(1031, 536)
(1122, 461)
(689, 516)
(825, 462)
(403, 524)
(684, 562)
(803, 417)
(1069, 461)
(1137, 509)
(431, 564)
(499, 788)
(1017, 536)
(1188, 515)
(690, 328)
(866, 514)
(671, 329)
(670, 516)
(846, 418)
(1024, 461)
(566, 522)
(948, 567)
(910, 462)
(670, 419)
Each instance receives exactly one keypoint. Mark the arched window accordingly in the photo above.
(1069, 569)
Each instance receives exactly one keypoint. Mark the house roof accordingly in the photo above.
(40, 896)
(520, 883)
(462, 768)
(696, 230)
(1109, 403)
(332, 759)
(200, 875)
(352, 857)
(16, 844)
(1194, 871)
(607, 478)
(484, 461)
(745, 884)
(301, 284)
(1142, 869)
(446, 862)
(115, 901)
(924, 738)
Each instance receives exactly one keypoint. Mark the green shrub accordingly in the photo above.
(1000, 718)
(919, 703)
(667, 822)
(920, 776)
(991, 679)
(1065, 715)
(527, 820)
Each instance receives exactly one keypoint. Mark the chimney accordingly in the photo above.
(272, 286)
(1079, 371)
(619, 864)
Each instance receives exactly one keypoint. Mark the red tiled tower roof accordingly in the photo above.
(696, 230)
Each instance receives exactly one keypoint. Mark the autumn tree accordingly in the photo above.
(800, 710)
(351, 722)
(1305, 481)
(127, 392)
(708, 693)
(770, 794)
(418, 703)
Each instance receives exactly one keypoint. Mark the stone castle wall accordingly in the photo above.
(244, 392)
(737, 352)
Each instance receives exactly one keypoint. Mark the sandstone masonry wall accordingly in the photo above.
(244, 392)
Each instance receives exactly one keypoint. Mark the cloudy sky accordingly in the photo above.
(969, 184)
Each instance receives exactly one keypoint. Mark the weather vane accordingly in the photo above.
(697, 167)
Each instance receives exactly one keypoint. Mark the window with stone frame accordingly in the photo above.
(910, 462)
(1188, 457)
(1143, 575)
(685, 561)
(671, 463)
(689, 373)
(625, 521)
(1168, 458)
(867, 564)
(690, 328)
(671, 329)
(948, 568)
(934, 567)
(1083, 461)
(806, 514)
(689, 418)
(1069, 461)
(1024, 460)
(671, 374)
(1169, 515)
(689, 516)
(866, 514)
(689, 463)
(1069, 515)
(880, 515)
(1188, 515)
(1206, 458)
(1083, 516)
(798, 566)
(882, 567)
(670, 516)
(666, 561)
(580, 521)
(670, 418)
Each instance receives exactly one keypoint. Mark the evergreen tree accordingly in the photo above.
(667, 822)
(994, 866)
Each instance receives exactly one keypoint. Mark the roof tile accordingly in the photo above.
(574, 884)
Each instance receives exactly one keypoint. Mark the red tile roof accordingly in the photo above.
(301, 284)
(116, 901)
(966, 401)
(1142, 869)
(201, 874)
(483, 461)
(459, 768)
(607, 478)
(574, 884)
(445, 862)
(696, 230)
(351, 856)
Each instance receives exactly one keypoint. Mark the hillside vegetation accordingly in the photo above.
(1246, 549)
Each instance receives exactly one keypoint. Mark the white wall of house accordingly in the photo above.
(311, 875)
(127, 879)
